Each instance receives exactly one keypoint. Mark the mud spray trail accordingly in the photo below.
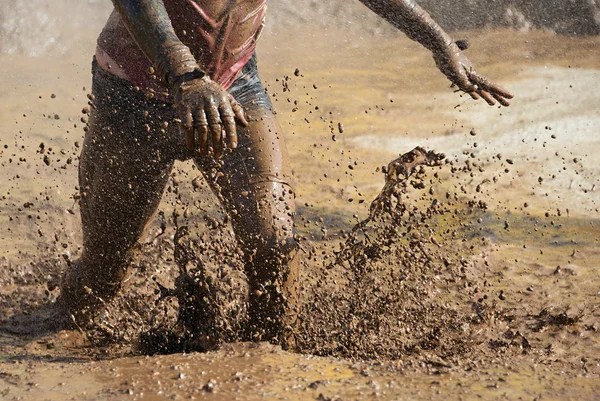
(470, 274)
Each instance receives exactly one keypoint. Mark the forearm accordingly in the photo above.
(411, 19)
(150, 26)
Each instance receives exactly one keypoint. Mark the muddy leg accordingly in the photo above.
(122, 175)
(253, 183)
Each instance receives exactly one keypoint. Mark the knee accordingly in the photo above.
(270, 260)
(283, 245)
(273, 241)
(269, 223)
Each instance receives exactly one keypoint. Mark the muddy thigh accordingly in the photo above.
(127, 155)
(253, 182)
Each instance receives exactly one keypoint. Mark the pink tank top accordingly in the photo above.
(222, 40)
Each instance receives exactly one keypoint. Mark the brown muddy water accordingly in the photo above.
(480, 283)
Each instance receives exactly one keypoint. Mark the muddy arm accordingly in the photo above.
(150, 26)
(410, 18)
(417, 24)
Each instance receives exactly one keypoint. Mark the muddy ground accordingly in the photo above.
(485, 287)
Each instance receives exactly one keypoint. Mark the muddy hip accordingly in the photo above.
(146, 116)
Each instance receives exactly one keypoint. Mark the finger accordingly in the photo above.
(214, 125)
(501, 100)
(474, 95)
(487, 97)
(200, 130)
(215, 143)
(493, 88)
(202, 139)
(190, 141)
(238, 110)
(228, 119)
(185, 115)
(488, 86)
(219, 143)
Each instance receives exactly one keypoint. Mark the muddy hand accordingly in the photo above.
(459, 69)
(208, 115)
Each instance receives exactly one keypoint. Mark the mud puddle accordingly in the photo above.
(261, 371)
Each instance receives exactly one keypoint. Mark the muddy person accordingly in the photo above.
(178, 80)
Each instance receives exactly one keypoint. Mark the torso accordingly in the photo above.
(222, 35)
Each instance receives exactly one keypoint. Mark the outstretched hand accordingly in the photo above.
(208, 115)
(459, 69)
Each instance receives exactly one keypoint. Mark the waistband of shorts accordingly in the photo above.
(250, 69)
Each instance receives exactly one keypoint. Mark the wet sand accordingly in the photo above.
(253, 372)
(537, 256)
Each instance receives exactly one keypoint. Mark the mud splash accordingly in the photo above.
(398, 284)
(408, 281)
(382, 308)
(389, 272)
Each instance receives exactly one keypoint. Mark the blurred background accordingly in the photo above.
(38, 27)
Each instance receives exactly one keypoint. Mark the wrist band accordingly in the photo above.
(197, 73)
(177, 64)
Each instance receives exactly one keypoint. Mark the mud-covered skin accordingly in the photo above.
(418, 25)
(127, 156)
